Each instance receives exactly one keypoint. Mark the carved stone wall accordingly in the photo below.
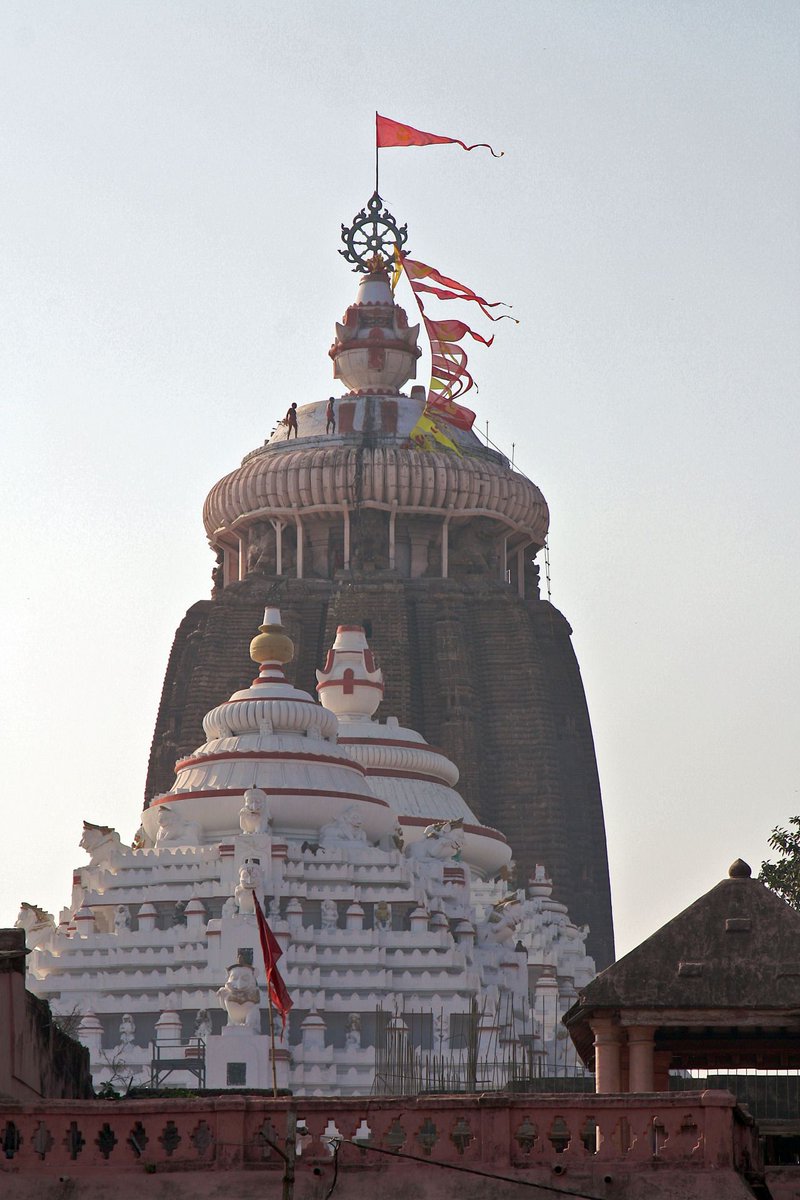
(488, 677)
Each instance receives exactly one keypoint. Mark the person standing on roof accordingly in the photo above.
(330, 415)
(291, 420)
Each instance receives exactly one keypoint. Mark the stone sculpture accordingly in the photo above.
(441, 841)
(174, 830)
(344, 830)
(122, 919)
(254, 815)
(127, 1030)
(250, 881)
(240, 997)
(383, 915)
(101, 843)
(330, 915)
(202, 1026)
(39, 925)
(352, 1037)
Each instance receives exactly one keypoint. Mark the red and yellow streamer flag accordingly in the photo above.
(270, 948)
(449, 375)
(389, 133)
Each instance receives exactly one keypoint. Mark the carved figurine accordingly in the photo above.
(330, 915)
(101, 843)
(383, 915)
(254, 815)
(352, 1037)
(39, 925)
(344, 830)
(250, 881)
(240, 997)
(202, 1026)
(441, 841)
(174, 830)
(127, 1030)
(229, 907)
(122, 919)
(141, 840)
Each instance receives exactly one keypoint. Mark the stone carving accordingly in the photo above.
(122, 919)
(254, 815)
(174, 830)
(498, 931)
(383, 915)
(127, 1030)
(344, 830)
(202, 1026)
(352, 1037)
(240, 997)
(141, 839)
(39, 925)
(330, 915)
(229, 907)
(101, 843)
(441, 841)
(250, 881)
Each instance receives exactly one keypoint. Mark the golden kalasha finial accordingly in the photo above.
(272, 643)
(375, 263)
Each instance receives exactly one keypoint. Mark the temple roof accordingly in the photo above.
(737, 947)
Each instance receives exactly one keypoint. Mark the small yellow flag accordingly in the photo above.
(426, 435)
(398, 268)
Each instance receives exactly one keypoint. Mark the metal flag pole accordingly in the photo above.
(376, 152)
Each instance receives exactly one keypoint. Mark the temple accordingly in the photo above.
(433, 552)
(404, 945)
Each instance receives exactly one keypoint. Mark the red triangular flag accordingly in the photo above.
(270, 948)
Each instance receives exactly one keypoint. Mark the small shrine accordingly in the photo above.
(716, 989)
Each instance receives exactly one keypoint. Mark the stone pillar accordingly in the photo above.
(392, 540)
(640, 1058)
(521, 572)
(244, 542)
(147, 917)
(312, 1031)
(346, 519)
(84, 922)
(504, 560)
(278, 525)
(90, 1033)
(445, 546)
(607, 1061)
(195, 913)
(294, 915)
(168, 1028)
(299, 558)
(230, 565)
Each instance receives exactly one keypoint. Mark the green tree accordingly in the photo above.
(783, 876)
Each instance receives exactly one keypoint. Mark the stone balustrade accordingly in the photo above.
(588, 1138)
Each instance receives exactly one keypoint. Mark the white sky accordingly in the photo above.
(176, 176)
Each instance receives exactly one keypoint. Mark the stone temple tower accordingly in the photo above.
(433, 553)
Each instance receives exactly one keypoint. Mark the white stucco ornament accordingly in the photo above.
(345, 829)
(240, 997)
(39, 925)
(174, 829)
(102, 843)
(250, 882)
(254, 815)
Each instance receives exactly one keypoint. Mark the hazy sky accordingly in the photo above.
(176, 176)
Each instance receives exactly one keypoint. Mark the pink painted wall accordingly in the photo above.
(36, 1058)
(696, 1145)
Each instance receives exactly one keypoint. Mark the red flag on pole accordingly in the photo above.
(270, 948)
(389, 133)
